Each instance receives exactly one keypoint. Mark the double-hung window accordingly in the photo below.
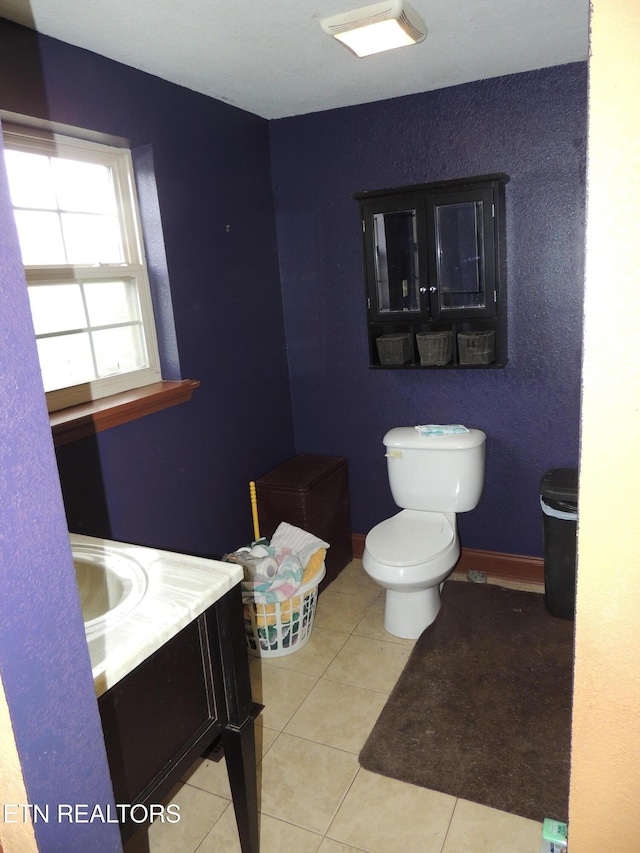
(76, 212)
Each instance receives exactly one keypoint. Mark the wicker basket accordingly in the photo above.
(394, 349)
(281, 628)
(435, 347)
(476, 347)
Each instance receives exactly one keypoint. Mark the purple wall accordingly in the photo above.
(531, 126)
(178, 479)
(44, 660)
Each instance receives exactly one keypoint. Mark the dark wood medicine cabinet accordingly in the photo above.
(434, 258)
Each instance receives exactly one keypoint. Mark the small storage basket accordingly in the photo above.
(276, 629)
(394, 349)
(476, 347)
(435, 347)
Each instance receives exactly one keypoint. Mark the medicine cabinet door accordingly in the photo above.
(461, 254)
(391, 233)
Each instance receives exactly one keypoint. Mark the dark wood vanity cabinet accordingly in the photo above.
(176, 705)
(434, 257)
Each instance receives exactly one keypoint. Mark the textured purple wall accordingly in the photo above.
(531, 126)
(178, 479)
(44, 658)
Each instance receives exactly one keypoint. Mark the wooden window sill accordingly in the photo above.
(87, 419)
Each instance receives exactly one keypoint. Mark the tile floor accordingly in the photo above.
(320, 705)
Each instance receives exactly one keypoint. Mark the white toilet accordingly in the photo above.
(432, 477)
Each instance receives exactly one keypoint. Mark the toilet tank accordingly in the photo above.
(435, 473)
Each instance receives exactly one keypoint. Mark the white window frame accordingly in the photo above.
(119, 161)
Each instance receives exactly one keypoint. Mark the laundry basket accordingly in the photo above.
(276, 629)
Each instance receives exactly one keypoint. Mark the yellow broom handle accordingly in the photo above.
(254, 510)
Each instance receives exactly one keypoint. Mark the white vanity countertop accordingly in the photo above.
(179, 588)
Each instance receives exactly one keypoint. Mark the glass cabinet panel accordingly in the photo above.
(459, 237)
(396, 261)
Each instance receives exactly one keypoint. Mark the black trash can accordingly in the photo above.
(559, 502)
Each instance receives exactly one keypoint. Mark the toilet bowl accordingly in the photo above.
(410, 555)
(432, 477)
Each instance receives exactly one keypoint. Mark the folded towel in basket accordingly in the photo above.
(314, 565)
(301, 543)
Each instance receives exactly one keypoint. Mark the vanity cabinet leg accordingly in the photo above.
(240, 752)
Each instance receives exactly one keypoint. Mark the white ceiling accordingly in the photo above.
(272, 59)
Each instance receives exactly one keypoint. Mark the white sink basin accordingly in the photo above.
(134, 599)
(111, 585)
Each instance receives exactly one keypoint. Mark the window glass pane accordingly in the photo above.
(57, 308)
(30, 180)
(75, 211)
(112, 301)
(40, 237)
(91, 239)
(65, 360)
(84, 187)
(119, 350)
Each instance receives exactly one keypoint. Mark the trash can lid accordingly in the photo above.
(560, 484)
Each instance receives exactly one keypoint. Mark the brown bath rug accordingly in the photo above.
(482, 709)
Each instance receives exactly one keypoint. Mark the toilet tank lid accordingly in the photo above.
(409, 438)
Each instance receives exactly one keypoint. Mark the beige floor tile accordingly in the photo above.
(339, 612)
(323, 645)
(479, 829)
(199, 811)
(372, 625)
(329, 846)
(304, 782)
(372, 664)
(276, 836)
(264, 740)
(212, 776)
(281, 691)
(353, 580)
(383, 815)
(338, 715)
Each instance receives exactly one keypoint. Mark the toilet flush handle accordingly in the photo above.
(394, 454)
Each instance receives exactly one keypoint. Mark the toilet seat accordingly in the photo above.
(410, 538)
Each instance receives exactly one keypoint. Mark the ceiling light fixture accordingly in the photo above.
(372, 29)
